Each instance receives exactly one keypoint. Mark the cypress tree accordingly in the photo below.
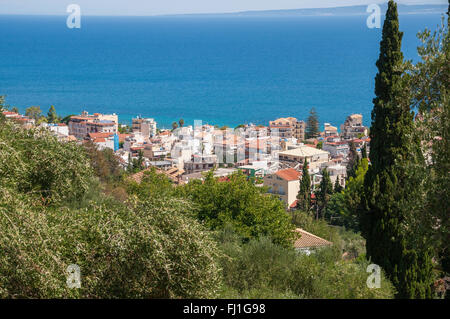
(325, 191)
(52, 117)
(364, 151)
(337, 186)
(353, 159)
(304, 195)
(312, 124)
(387, 186)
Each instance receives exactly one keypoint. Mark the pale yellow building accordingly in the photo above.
(285, 183)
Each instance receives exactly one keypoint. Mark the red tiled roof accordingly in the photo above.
(100, 135)
(122, 137)
(308, 240)
(288, 174)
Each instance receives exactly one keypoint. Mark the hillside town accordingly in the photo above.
(272, 155)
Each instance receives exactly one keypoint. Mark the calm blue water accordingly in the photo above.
(225, 71)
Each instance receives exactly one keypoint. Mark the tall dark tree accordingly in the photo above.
(52, 117)
(430, 88)
(312, 124)
(337, 185)
(364, 151)
(324, 192)
(181, 122)
(174, 126)
(353, 159)
(387, 186)
(304, 195)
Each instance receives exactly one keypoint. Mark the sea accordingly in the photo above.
(222, 70)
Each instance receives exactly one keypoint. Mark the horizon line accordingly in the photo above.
(275, 11)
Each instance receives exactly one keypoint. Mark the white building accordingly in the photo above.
(298, 155)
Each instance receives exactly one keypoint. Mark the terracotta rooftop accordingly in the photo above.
(100, 135)
(308, 240)
(288, 174)
(122, 137)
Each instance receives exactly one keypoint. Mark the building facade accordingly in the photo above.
(285, 184)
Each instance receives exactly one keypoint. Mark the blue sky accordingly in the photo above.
(158, 7)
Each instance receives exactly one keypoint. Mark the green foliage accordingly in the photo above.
(364, 151)
(34, 112)
(151, 249)
(52, 117)
(320, 145)
(389, 188)
(53, 214)
(105, 163)
(124, 129)
(353, 161)
(174, 126)
(2, 102)
(337, 185)
(304, 194)
(312, 124)
(34, 162)
(135, 165)
(324, 192)
(343, 207)
(262, 269)
(239, 203)
(429, 91)
(152, 184)
(66, 119)
(181, 122)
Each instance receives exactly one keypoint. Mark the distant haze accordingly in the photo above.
(154, 7)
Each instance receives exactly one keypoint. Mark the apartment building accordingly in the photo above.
(329, 130)
(81, 126)
(315, 157)
(147, 126)
(353, 127)
(285, 183)
(200, 163)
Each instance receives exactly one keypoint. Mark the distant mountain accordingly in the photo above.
(339, 11)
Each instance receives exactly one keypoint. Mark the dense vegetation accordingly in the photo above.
(153, 240)
(65, 203)
(53, 213)
(400, 201)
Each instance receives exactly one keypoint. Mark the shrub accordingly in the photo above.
(151, 249)
(35, 163)
(239, 203)
(262, 269)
